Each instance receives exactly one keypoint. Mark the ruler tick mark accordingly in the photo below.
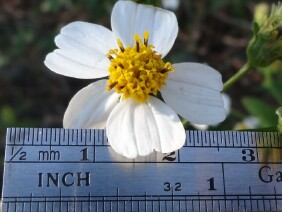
(199, 201)
(276, 207)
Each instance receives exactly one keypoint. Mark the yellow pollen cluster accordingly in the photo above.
(137, 72)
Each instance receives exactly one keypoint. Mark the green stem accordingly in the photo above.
(245, 69)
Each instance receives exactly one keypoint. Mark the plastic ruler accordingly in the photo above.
(76, 170)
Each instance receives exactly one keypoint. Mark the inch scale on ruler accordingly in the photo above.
(76, 170)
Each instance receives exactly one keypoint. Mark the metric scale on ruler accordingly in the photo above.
(76, 170)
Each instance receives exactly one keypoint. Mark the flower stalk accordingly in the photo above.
(244, 70)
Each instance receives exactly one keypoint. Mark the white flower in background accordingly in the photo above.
(131, 55)
(250, 122)
(171, 4)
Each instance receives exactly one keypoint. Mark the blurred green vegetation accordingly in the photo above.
(214, 32)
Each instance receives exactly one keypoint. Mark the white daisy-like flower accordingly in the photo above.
(136, 122)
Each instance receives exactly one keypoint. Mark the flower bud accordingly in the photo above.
(266, 45)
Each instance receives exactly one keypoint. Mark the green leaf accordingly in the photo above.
(275, 88)
(264, 112)
(272, 80)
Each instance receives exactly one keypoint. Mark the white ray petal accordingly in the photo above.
(138, 129)
(193, 91)
(129, 18)
(90, 35)
(82, 51)
(90, 107)
(63, 62)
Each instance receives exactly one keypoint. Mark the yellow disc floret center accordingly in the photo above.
(137, 72)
